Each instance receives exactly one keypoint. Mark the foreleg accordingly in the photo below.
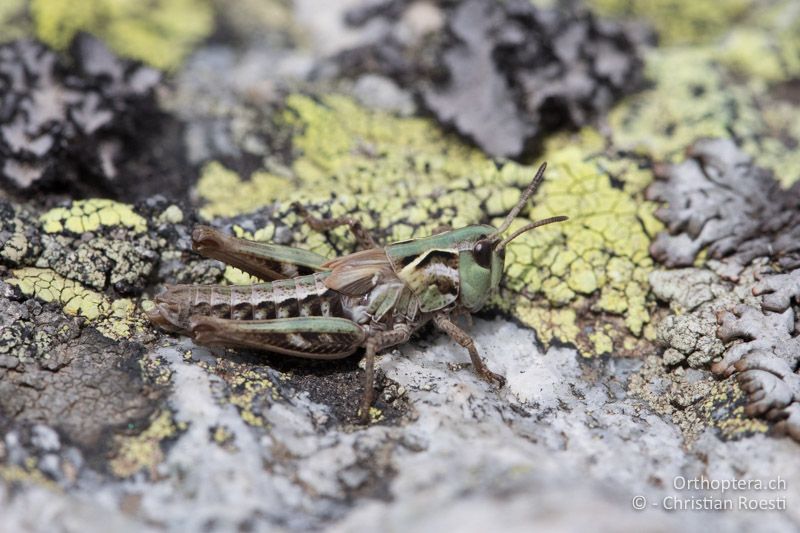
(444, 323)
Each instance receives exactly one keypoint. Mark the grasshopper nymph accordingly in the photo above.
(326, 309)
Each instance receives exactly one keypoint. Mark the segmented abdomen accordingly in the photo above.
(286, 298)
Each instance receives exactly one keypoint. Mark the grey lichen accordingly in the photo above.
(719, 200)
(689, 338)
(765, 351)
(78, 122)
(689, 335)
(505, 73)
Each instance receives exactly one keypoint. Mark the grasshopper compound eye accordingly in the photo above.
(482, 253)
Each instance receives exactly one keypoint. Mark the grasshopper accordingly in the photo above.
(374, 298)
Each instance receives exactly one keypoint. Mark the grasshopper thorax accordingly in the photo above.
(461, 266)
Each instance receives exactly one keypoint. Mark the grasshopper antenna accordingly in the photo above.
(528, 227)
(530, 191)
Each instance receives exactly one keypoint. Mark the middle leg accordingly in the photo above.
(400, 334)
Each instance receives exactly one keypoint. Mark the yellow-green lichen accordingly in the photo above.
(115, 319)
(344, 147)
(50, 287)
(90, 215)
(602, 250)
(686, 103)
(14, 20)
(550, 324)
(730, 87)
(723, 408)
(246, 386)
(159, 32)
(680, 21)
(226, 194)
(29, 474)
(765, 46)
(601, 342)
(143, 451)
(375, 414)
(156, 370)
(224, 438)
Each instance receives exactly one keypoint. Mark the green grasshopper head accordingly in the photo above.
(463, 265)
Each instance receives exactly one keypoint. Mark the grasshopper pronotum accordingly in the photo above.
(374, 298)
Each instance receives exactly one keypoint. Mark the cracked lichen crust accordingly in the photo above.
(159, 32)
(597, 263)
(115, 318)
(507, 73)
(695, 93)
(719, 201)
(100, 243)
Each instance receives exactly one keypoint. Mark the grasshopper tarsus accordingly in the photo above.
(375, 298)
(495, 379)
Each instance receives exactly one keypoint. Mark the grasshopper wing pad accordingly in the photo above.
(360, 272)
(262, 260)
(309, 337)
(432, 276)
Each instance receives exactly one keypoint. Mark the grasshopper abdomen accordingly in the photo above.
(303, 296)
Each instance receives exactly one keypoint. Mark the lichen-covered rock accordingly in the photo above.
(84, 386)
(765, 358)
(221, 440)
(99, 243)
(78, 123)
(678, 383)
(38, 450)
(506, 74)
(19, 235)
(719, 201)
